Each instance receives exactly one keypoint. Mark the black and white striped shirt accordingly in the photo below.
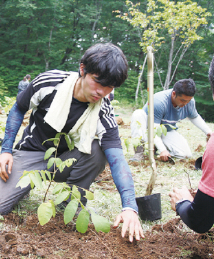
(39, 95)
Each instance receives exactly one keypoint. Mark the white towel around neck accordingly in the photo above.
(84, 130)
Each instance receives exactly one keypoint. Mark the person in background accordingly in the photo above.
(73, 103)
(170, 106)
(198, 212)
(24, 83)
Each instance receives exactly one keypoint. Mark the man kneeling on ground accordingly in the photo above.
(170, 106)
(73, 103)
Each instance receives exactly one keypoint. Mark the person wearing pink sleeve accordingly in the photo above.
(206, 184)
(198, 212)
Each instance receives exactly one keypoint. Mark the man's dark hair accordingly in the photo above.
(108, 62)
(184, 86)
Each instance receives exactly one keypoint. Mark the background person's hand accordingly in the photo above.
(164, 155)
(208, 136)
(6, 163)
(130, 221)
(179, 194)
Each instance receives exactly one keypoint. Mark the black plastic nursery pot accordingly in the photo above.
(149, 207)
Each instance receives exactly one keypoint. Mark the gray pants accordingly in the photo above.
(82, 173)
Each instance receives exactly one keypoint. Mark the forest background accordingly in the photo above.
(36, 36)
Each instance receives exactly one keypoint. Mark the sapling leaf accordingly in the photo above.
(43, 175)
(164, 129)
(69, 162)
(70, 142)
(48, 174)
(23, 182)
(66, 186)
(100, 223)
(57, 138)
(136, 142)
(49, 152)
(50, 139)
(62, 197)
(31, 184)
(70, 211)
(58, 161)
(89, 195)
(82, 221)
(53, 208)
(26, 173)
(75, 192)
(57, 189)
(138, 124)
(127, 144)
(50, 162)
(45, 212)
(36, 179)
(62, 166)
(159, 131)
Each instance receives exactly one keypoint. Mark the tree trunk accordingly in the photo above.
(139, 79)
(158, 72)
(166, 84)
(181, 57)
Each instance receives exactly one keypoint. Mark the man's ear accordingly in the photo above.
(82, 69)
(173, 94)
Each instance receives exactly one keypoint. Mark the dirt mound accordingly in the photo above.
(25, 237)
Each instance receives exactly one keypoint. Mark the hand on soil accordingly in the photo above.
(178, 194)
(130, 221)
(6, 159)
(164, 155)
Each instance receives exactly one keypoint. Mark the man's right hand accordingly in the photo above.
(164, 155)
(6, 160)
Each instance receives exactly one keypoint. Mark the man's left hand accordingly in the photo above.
(130, 221)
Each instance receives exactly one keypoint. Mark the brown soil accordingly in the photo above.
(25, 238)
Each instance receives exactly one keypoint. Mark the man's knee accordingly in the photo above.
(5, 207)
(97, 155)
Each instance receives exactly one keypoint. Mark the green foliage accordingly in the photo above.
(180, 19)
(8, 103)
(47, 209)
(160, 130)
(137, 141)
(82, 221)
(169, 23)
(54, 35)
(100, 223)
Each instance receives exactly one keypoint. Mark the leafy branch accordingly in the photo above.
(47, 209)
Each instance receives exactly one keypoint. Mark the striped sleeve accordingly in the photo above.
(107, 128)
(44, 84)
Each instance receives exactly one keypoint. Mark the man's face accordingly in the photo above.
(91, 91)
(180, 101)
